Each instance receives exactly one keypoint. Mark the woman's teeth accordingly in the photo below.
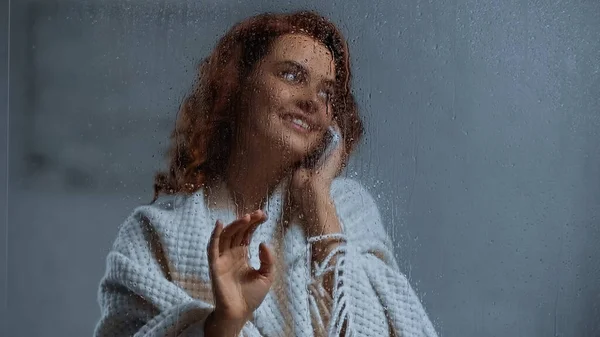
(300, 123)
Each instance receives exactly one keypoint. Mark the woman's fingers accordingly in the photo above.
(234, 235)
(230, 231)
(213, 245)
(256, 218)
(246, 236)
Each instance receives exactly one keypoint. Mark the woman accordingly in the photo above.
(243, 155)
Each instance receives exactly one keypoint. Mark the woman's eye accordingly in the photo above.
(290, 76)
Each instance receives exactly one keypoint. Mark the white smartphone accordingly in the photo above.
(332, 139)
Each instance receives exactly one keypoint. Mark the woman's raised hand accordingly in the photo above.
(237, 287)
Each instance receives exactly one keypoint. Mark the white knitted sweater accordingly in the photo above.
(157, 278)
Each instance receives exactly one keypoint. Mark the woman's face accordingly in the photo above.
(289, 102)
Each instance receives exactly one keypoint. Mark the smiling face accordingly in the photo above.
(288, 104)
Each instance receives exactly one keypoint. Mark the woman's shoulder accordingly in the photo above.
(356, 206)
(350, 192)
(350, 196)
(170, 206)
(166, 214)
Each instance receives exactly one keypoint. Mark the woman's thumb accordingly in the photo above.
(267, 261)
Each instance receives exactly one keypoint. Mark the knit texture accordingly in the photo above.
(157, 275)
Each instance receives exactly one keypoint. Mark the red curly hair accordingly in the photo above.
(206, 122)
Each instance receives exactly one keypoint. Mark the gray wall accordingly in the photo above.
(482, 148)
(3, 155)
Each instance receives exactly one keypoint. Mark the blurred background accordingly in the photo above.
(482, 148)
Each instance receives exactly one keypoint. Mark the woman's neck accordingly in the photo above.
(251, 178)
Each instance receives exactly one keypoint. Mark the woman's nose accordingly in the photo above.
(309, 101)
(308, 106)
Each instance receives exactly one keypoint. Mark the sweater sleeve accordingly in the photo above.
(368, 284)
(137, 296)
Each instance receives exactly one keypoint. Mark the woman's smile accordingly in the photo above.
(299, 122)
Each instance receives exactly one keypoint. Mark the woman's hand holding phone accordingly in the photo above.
(310, 186)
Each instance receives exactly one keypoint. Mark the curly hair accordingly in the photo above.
(206, 121)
